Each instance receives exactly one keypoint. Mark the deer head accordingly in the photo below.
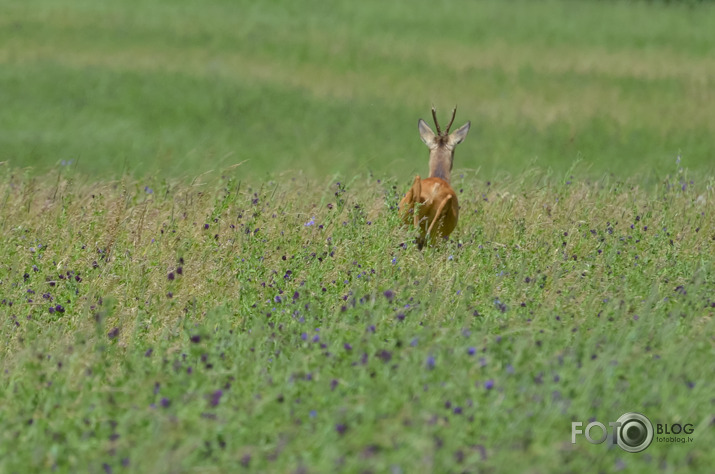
(441, 145)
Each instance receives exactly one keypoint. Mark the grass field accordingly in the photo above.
(178, 87)
(208, 326)
(202, 268)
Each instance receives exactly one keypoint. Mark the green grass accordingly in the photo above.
(579, 298)
(202, 267)
(181, 87)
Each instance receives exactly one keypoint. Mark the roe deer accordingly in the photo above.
(436, 202)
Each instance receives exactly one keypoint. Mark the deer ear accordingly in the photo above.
(456, 137)
(426, 134)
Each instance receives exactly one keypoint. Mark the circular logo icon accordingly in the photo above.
(635, 432)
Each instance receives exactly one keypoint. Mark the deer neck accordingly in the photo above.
(440, 163)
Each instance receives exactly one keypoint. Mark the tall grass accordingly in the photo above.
(202, 267)
(167, 326)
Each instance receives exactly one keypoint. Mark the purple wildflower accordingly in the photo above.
(489, 384)
(385, 355)
(216, 397)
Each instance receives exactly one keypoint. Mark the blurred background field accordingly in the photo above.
(181, 87)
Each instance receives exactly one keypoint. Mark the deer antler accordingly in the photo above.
(454, 112)
(436, 123)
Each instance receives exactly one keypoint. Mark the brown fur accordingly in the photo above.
(435, 200)
(437, 209)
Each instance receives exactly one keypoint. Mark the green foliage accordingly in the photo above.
(171, 326)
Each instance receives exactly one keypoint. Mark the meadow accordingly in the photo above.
(178, 87)
(202, 267)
